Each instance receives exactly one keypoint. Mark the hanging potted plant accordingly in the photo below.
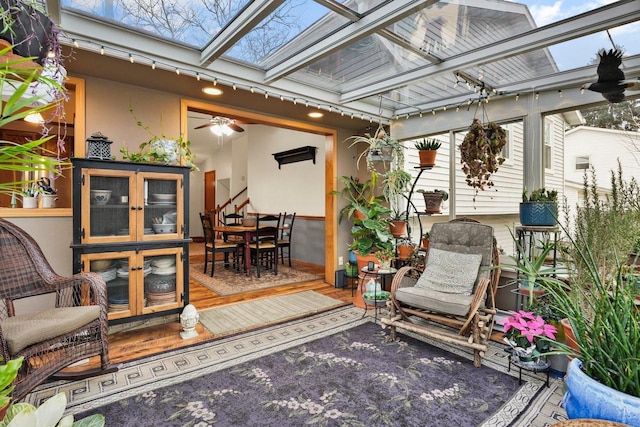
(427, 150)
(433, 200)
(480, 154)
(540, 208)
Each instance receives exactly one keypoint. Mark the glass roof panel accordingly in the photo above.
(294, 27)
(582, 51)
(192, 22)
(294, 19)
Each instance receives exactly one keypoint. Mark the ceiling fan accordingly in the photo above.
(221, 125)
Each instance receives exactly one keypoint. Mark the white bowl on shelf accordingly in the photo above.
(100, 197)
(163, 198)
(164, 228)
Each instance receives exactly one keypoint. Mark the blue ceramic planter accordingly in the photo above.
(542, 214)
(587, 398)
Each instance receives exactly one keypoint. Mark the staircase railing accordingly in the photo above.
(236, 208)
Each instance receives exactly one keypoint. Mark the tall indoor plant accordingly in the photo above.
(17, 77)
(598, 302)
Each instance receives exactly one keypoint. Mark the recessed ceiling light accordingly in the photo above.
(315, 114)
(212, 90)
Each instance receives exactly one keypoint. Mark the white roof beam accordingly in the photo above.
(250, 16)
(612, 15)
(378, 19)
(564, 81)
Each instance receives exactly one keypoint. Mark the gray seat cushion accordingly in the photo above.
(441, 302)
(28, 329)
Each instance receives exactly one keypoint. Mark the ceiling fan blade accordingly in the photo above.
(206, 125)
(235, 127)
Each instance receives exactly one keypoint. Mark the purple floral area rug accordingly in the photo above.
(351, 378)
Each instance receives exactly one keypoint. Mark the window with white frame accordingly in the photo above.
(548, 143)
(582, 162)
(506, 150)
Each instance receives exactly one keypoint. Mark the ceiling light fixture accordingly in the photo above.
(210, 90)
(221, 126)
(34, 118)
(315, 114)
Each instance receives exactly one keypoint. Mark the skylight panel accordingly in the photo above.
(191, 22)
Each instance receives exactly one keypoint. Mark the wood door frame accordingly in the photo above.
(331, 168)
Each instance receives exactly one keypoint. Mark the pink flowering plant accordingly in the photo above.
(528, 331)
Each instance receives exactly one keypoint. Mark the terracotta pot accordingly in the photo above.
(359, 215)
(425, 243)
(433, 201)
(404, 251)
(570, 338)
(398, 228)
(427, 158)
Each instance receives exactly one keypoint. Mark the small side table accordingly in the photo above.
(546, 367)
(377, 273)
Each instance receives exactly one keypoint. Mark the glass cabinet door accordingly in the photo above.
(162, 197)
(114, 268)
(163, 286)
(109, 214)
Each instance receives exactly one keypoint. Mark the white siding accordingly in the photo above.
(604, 147)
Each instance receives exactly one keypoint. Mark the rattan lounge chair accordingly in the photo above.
(72, 326)
(456, 289)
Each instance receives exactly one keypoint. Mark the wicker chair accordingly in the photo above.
(457, 288)
(72, 328)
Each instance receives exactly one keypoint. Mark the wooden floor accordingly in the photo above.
(134, 344)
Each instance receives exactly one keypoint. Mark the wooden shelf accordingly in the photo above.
(296, 155)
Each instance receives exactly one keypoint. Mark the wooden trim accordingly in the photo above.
(331, 167)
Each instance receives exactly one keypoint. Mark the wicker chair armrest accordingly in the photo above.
(97, 294)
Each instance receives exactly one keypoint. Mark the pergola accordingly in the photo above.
(370, 60)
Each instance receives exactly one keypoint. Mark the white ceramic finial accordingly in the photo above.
(189, 319)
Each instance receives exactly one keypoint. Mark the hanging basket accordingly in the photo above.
(480, 154)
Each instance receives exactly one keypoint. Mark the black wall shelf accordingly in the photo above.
(296, 155)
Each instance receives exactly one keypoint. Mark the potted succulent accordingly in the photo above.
(480, 154)
(427, 150)
(531, 269)
(433, 200)
(539, 208)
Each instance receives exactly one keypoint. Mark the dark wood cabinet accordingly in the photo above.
(130, 225)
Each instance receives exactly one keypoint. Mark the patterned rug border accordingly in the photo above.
(180, 365)
(197, 275)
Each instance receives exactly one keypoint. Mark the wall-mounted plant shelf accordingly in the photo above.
(296, 155)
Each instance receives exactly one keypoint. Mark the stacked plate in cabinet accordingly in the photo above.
(160, 289)
(118, 294)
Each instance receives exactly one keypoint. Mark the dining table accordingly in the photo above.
(247, 232)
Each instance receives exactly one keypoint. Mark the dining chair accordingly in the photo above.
(232, 218)
(213, 246)
(264, 248)
(286, 231)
